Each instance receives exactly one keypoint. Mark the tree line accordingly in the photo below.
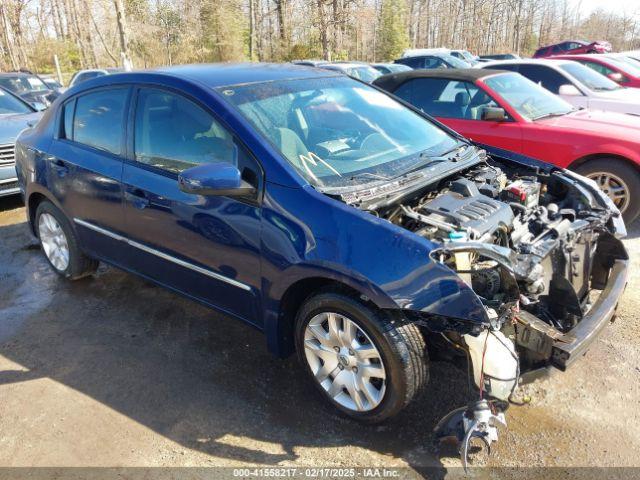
(102, 33)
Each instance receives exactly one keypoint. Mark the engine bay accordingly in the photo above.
(523, 239)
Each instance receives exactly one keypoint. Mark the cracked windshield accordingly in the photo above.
(339, 133)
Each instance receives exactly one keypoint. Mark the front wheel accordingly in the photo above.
(619, 180)
(364, 363)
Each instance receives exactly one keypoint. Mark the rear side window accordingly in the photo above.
(99, 119)
(545, 76)
(445, 98)
(67, 124)
(415, 62)
(173, 133)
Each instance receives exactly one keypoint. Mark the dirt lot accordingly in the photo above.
(113, 371)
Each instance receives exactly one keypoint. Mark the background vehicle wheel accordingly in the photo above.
(366, 364)
(619, 180)
(59, 243)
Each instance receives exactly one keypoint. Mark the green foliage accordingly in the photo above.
(393, 36)
(223, 25)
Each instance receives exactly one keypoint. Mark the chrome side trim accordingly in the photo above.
(163, 255)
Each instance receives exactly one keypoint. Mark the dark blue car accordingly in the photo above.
(343, 223)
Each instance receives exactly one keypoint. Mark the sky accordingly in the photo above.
(616, 6)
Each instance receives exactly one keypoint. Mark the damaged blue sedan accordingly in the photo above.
(346, 225)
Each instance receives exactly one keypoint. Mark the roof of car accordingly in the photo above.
(224, 74)
(394, 80)
(554, 62)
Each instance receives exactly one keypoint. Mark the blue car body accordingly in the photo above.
(249, 259)
(255, 260)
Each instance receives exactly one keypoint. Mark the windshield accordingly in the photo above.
(10, 105)
(398, 67)
(337, 132)
(589, 78)
(529, 99)
(455, 62)
(626, 65)
(364, 73)
(20, 85)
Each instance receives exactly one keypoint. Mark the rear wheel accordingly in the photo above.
(59, 243)
(619, 180)
(366, 364)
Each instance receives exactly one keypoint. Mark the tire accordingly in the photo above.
(400, 345)
(622, 172)
(50, 223)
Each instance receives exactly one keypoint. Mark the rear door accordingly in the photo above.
(84, 167)
(207, 247)
(459, 105)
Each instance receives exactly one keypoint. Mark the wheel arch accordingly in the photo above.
(34, 199)
(599, 156)
(281, 335)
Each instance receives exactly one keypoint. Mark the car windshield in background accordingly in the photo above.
(337, 132)
(456, 62)
(589, 78)
(364, 73)
(626, 65)
(23, 84)
(530, 100)
(10, 105)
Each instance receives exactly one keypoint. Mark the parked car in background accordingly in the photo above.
(51, 82)
(428, 58)
(465, 55)
(499, 56)
(633, 55)
(360, 71)
(573, 47)
(506, 110)
(320, 210)
(579, 85)
(385, 68)
(29, 87)
(15, 115)
(615, 67)
(84, 75)
(310, 62)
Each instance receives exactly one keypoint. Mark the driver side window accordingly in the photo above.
(173, 133)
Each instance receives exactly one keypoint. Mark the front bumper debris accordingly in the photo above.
(577, 341)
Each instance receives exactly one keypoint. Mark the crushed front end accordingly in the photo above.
(541, 249)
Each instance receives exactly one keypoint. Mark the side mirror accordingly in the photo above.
(616, 77)
(39, 106)
(493, 114)
(569, 90)
(214, 179)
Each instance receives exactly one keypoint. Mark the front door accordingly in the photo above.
(207, 247)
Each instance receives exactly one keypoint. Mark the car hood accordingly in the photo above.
(597, 122)
(12, 125)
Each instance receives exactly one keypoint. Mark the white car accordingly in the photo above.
(579, 85)
(84, 75)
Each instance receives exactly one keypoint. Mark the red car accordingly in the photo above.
(506, 110)
(573, 47)
(620, 69)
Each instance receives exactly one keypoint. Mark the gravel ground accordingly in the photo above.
(114, 371)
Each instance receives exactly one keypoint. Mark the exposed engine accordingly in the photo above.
(497, 229)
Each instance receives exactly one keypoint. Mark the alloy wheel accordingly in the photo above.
(54, 241)
(345, 362)
(614, 187)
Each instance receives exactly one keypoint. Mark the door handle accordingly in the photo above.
(138, 198)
